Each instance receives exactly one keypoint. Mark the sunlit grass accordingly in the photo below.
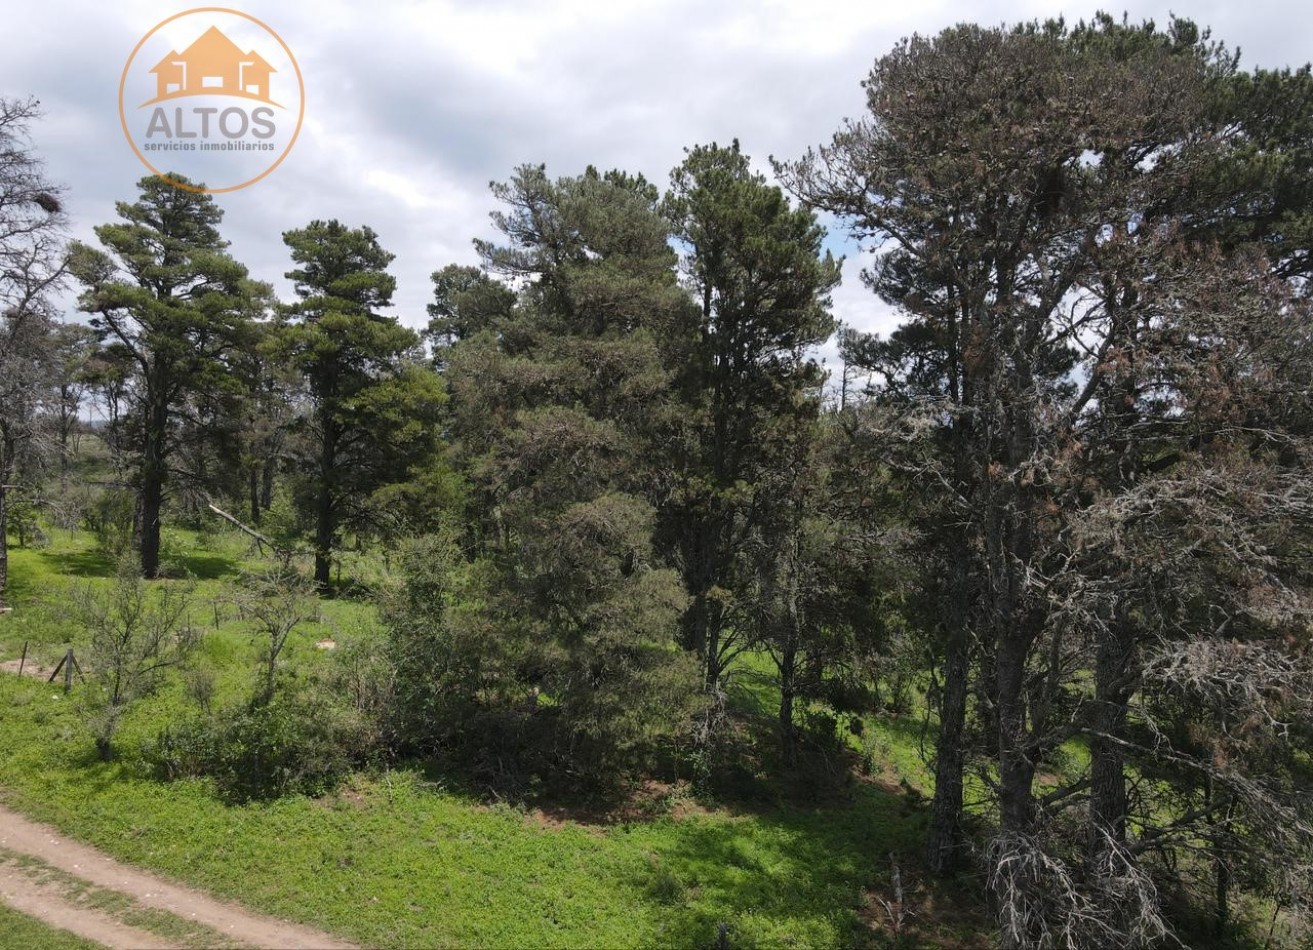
(395, 858)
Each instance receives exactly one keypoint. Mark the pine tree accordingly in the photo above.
(373, 404)
(757, 271)
(167, 294)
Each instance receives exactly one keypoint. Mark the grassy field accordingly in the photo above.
(18, 932)
(396, 858)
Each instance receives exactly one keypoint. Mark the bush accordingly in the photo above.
(111, 517)
(296, 743)
(134, 639)
(23, 520)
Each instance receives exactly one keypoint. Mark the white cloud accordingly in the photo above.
(413, 107)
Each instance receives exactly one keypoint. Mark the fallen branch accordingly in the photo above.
(260, 539)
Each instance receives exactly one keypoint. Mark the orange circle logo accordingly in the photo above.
(213, 95)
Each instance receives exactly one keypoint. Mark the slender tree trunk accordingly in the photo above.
(944, 844)
(788, 667)
(253, 486)
(1016, 771)
(153, 474)
(4, 542)
(1222, 879)
(944, 839)
(1107, 816)
(1223, 890)
(66, 414)
(325, 512)
(788, 675)
(1013, 636)
(267, 483)
(701, 622)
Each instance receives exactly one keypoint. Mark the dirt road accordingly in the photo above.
(48, 901)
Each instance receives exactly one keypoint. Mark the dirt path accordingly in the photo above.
(46, 904)
(20, 835)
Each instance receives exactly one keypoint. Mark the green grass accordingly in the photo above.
(395, 859)
(20, 932)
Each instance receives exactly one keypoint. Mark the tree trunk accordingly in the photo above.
(1107, 817)
(1222, 881)
(788, 745)
(1016, 771)
(153, 473)
(788, 664)
(67, 414)
(267, 483)
(253, 486)
(7, 448)
(944, 839)
(4, 542)
(699, 578)
(152, 502)
(324, 539)
(325, 510)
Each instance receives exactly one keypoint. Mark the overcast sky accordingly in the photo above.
(412, 108)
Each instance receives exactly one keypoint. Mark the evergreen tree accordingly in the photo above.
(166, 292)
(373, 405)
(558, 416)
(756, 269)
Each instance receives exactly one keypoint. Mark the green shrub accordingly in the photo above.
(111, 517)
(296, 743)
(23, 522)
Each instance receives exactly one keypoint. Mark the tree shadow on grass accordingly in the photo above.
(96, 563)
(205, 567)
(22, 589)
(86, 563)
(786, 877)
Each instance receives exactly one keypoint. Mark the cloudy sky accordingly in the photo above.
(413, 107)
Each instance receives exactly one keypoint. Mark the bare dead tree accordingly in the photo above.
(32, 267)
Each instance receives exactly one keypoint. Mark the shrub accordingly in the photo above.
(134, 639)
(299, 742)
(111, 517)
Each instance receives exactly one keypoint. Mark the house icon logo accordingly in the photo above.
(213, 65)
(197, 100)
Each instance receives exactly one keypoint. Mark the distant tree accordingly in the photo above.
(372, 403)
(466, 300)
(268, 411)
(75, 349)
(32, 266)
(109, 375)
(168, 298)
(816, 565)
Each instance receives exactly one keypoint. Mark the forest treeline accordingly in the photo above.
(1068, 501)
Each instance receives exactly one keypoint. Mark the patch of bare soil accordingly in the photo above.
(29, 668)
(930, 916)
